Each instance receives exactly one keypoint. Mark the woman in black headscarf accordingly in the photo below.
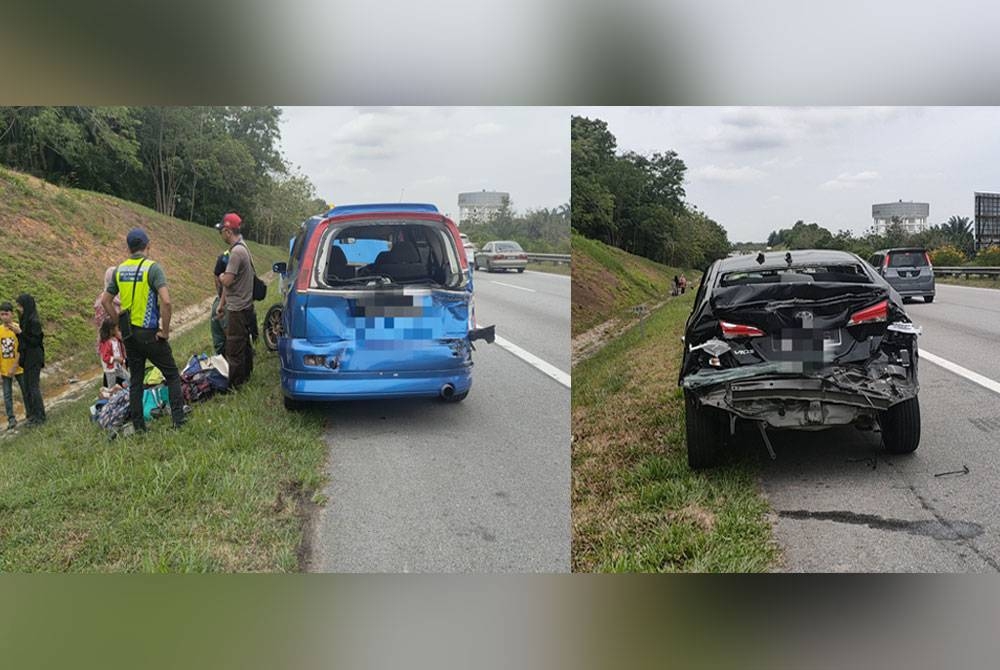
(32, 358)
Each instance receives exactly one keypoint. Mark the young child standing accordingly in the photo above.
(9, 368)
(112, 354)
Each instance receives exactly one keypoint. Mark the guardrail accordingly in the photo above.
(551, 258)
(967, 271)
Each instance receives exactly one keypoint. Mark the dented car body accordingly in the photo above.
(804, 340)
(379, 303)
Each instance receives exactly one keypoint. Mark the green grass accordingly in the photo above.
(981, 282)
(229, 492)
(551, 268)
(637, 507)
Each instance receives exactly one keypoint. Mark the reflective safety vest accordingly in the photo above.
(145, 306)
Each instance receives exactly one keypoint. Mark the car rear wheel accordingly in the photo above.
(458, 397)
(928, 298)
(705, 433)
(901, 427)
(272, 327)
(292, 405)
(520, 269)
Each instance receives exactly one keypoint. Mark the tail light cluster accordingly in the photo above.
(874, 314)
(731, 330)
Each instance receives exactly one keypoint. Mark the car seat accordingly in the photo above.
(401, 263)
(336, 266)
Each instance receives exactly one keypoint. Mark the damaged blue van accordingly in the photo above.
(378, 304)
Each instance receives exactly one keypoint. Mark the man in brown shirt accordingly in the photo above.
(237, 301)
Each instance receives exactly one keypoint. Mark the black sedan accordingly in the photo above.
(800, 340)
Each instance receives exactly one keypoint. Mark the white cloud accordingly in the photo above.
(846, 180)
(728, 174)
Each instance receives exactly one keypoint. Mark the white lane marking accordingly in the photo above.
(534, 361)
(520, 288)
(548, 274)
(975, 377)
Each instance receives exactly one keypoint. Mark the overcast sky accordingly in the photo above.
(756, 169)
(423, 154)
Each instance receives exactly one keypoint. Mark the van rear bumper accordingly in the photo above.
(360, 386)
(378, 373)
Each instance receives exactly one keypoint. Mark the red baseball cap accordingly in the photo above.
(230, 221)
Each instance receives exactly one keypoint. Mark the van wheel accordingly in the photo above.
(705, 433)
(272, 327)
(928, 298)
(901, 427)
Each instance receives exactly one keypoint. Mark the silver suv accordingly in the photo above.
(908, 270)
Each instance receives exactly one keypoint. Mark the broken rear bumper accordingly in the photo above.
(834, 396)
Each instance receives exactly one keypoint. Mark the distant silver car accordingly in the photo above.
(907, 270)
(501, 255)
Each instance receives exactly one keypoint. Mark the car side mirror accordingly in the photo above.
(280, 268)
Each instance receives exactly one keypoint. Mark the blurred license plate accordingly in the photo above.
(806, 339)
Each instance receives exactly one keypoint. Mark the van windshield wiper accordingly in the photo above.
(380, 280)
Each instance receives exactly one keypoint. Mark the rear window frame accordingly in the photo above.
(725, 280)
(333, 232)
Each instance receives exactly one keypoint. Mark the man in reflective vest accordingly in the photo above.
(142, 287)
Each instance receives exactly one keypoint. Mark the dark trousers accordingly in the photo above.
(32, 390)
(143, 346)
(8, 394)
(239, 354)
(218, 328)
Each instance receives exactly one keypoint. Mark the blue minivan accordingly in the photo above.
(378, 303)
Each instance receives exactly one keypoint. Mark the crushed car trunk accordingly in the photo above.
(805, 355)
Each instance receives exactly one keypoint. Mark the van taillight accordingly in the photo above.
(928, 257)
(739, 330)
(874, 314)
(885, 263)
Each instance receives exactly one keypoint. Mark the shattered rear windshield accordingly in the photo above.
(842, 272)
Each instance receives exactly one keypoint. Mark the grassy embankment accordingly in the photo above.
(228, 492)
(636, 504)
(55, 243)
(551, 268)
(608, 282)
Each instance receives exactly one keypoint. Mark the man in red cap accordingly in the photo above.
(237, 300)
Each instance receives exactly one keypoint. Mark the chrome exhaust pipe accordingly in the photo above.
(447, 391)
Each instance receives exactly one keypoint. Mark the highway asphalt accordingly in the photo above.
(842, 504)
(481, 486)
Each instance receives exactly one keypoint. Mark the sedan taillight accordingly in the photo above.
(731, 330)
(874, 314)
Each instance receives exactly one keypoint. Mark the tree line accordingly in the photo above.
(636, 202)
(949, 243)
(193, 163)
(541, 231)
